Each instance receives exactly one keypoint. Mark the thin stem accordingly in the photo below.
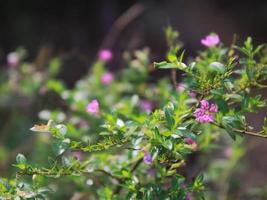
(256, 134)
(135, 166)
(173, 75)
(121, 23)
(109, 174)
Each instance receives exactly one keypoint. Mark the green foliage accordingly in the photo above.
(140, 143)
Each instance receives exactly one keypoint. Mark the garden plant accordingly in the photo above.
(132, 135)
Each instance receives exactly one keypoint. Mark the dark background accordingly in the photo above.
(80, 26)
(75, 30)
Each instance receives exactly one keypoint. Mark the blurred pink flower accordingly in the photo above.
(213, 108)
(204, 104)
(78, 154)
(146, 106)
(188, 196)
(105, 55)
(43, 90)
(83, 124)
(192, 143)
(204, 114)
(192, 94)
(13, 59)
(93, 107)
(107, 78)
(166, 185)
(210, 40)
(228, 152)
(151, 172)
(180, 87)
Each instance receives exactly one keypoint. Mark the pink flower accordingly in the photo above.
(83, 124)
(204, 104)
(147, 158)
(192, 94)
(151, 172)
(167, 185)
(146, 105)
(188, 196)
(43, 90)
(78, 155)
(213, 108)
(210, 40)
(204, 114)
(192, 143)
(180, 87)
(107, 78)
(105, 55)
(228, 152)
(93, 107)
(13, 59)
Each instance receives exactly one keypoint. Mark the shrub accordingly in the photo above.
(125, 135)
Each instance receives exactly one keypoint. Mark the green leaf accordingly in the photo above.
(20, 159)
(54, 66)
(55, 85)
(168, 144)
(233, 122)
(265, 126)
(105, 133)
(182, 56)
(257, 50)
(171, 56)
(248, 43)
(62, 129)
(5, 183)
(234, 97)
(217, 67)
(169, 117)
(157, 135)
(60, 146)
(165, 65)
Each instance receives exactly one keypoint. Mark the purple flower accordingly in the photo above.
(147, 158)
(105, 55)
(204, 114)
(192, 143)
(210, 40)
(107, 78)
(13, 59)
(146, 106)
(93, 107)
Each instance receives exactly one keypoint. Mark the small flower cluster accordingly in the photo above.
(204, 114)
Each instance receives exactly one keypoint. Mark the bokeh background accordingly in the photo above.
(76, 30)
